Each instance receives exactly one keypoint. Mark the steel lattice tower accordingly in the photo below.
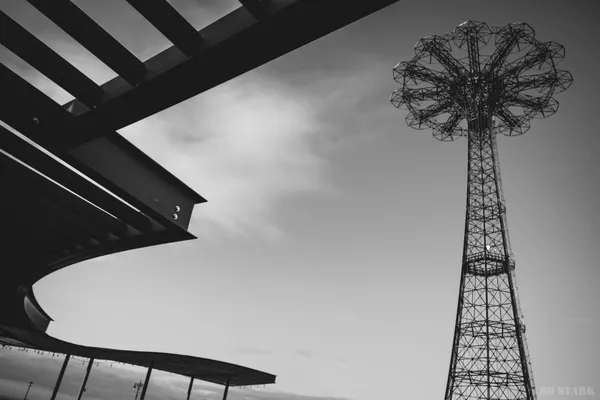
(476, 82)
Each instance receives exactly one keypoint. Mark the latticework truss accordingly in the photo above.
(478, 69)
(475, 82)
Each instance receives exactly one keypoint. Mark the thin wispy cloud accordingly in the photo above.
(304, 353)
(254, 142)
(246, 147)
(584, 320)
(252, 351)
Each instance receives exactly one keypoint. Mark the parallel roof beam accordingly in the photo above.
(25, 45)
(255, 7)
(73, 181)
(170, 23)
(231, 46)
(47, 221)
(44, 195)
(27, 110)
(23, 237)
(90, 35)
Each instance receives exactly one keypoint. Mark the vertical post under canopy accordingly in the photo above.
(85, 378)
(226, 388)
(146, 381)
(190, 388)
(60, 377)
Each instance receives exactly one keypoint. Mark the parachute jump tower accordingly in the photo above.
(476, 82)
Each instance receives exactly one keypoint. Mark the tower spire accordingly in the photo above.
(476, 82)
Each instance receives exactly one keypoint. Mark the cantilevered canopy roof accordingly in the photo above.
(199, 368)
(72, 188)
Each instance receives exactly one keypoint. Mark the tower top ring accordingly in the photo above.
(480, 71)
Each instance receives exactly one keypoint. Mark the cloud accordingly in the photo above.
(583, 320)
(257, 141)
(250, 144)
(246, 146)
(304, 353)
(252, 351)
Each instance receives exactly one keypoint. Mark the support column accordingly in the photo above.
(85, 378)
(190, 388)
(60, 377)
(26, 393)
(146, 381)
(226, 388)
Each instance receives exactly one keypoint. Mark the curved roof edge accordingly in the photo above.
(112, 197)
(67, 224)
(205, 369)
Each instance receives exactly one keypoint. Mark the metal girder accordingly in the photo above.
(45, 195)
(111, 161)
(87, 228)
(27, 110)
(137, 179)
(231, 46)
(25, 45)
(446, 59)
(71, 180)
(90, 35)
(170, 23)
(255, 7)
(58, 227)
(24, 237)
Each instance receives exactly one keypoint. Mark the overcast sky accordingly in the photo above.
(329, 250)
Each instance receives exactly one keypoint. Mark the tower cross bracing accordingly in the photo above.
(476, 82)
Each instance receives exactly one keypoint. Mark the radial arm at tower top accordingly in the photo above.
(505, 71)
(475, 82)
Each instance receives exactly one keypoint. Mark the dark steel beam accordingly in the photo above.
(38, 192)
(25, 234)
(119, 166)
(22, 43)
(28, 111)
(17, 204)
(170, 23)
(90, 35)
(33, 157)
(231, 46)
(255, 7)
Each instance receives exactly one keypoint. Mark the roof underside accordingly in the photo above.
(74, 189)
(64, 228)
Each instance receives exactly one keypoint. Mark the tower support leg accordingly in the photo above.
(85, 378)
(190, 388)
(60, 377)
(146, 382)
